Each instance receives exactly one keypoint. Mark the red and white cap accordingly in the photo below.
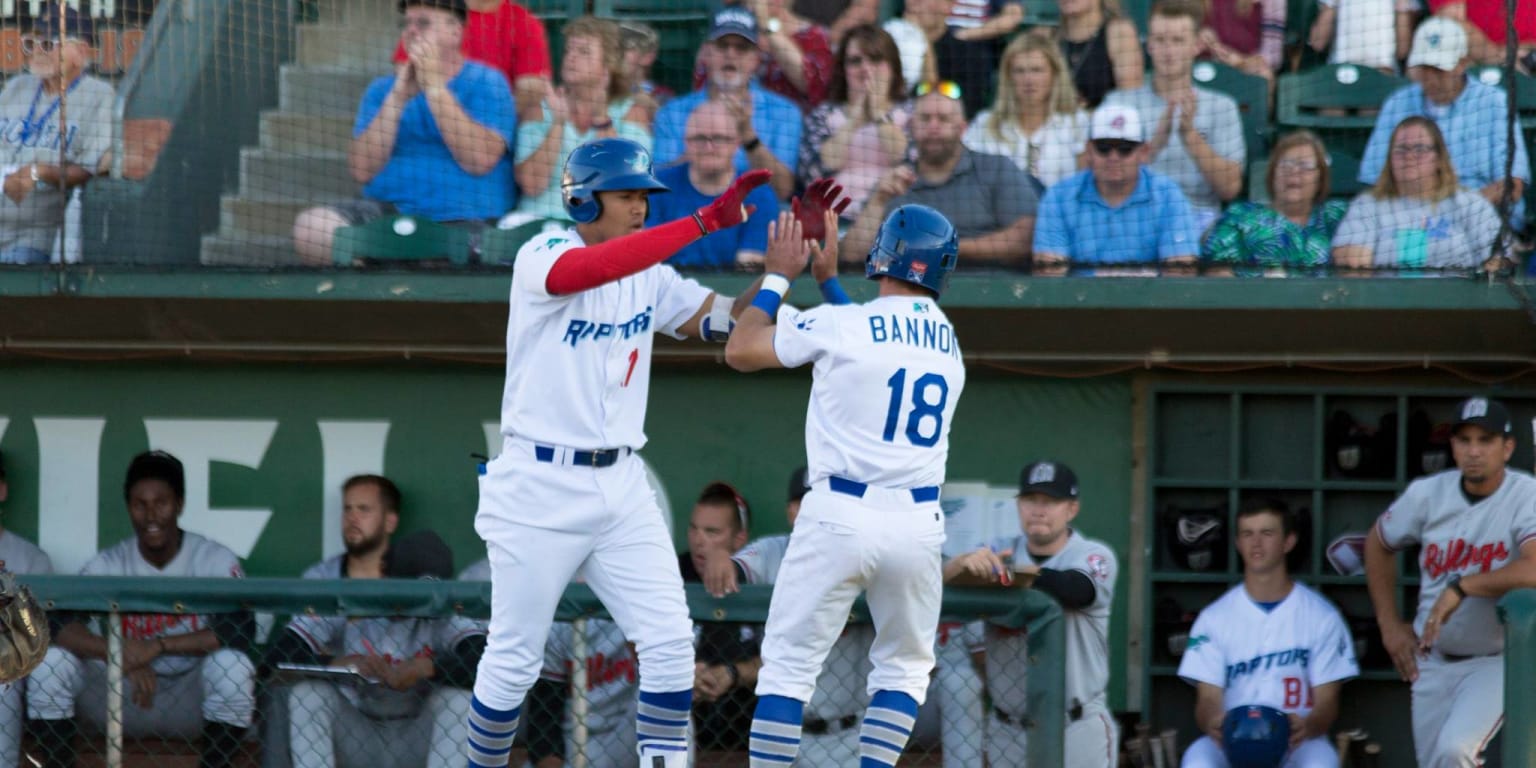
(1116, 121)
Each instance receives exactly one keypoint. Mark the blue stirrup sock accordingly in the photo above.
(661, 723)
(775, 738)
(886, 728)
(490, 734)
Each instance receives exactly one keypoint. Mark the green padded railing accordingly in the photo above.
(1517, 610)
(1029, 609)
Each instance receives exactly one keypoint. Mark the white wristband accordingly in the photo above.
(775, 282)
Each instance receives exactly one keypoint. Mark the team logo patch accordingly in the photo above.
(918, 306)
(1477, 407)
(1098, 566)
(1195, 641)
(916, 272)
(805, 324)
(1044, 472)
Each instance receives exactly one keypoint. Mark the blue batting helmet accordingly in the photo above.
(1255, 737)
(604, 165)
(916, 244)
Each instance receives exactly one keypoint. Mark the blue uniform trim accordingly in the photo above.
(856, 489)
(832, 291)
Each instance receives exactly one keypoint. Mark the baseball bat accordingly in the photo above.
(1357, 739)
(1371, 758)
(1171, 747)
(1341, 743)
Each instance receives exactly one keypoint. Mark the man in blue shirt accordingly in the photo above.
(710, 145)
(1470, 114)
(767, 124)
(430, 140)
(1117, 213)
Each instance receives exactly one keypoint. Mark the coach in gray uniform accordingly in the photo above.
(182, 673)
(1079, 573)
(54, 102)
(415, 712)
(1476, 529)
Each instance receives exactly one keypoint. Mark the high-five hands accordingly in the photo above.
(730, 208)
(809, 209)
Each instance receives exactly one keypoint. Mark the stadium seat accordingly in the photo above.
(1525, 91)
(1338, 101)
(500, 246)
(1251, 93)
(401, 238)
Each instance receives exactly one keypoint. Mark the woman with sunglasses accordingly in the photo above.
(1035, 120)
(860, 133)
(55, 98)
(1418, 216)
(1294, 231)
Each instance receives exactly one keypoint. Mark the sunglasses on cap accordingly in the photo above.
(946, 88)
(1115, 146)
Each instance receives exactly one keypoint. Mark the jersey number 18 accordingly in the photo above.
(921, 410)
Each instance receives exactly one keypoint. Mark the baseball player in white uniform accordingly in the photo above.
(1268, 642)
(183, 675)
(1476, 529)
(829, 730)
(414, 714)
(567, 495)
(1079, 573)
(18, 556)
(612, 686)
(887, 377)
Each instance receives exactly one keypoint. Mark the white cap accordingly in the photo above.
(1115, 121)
(1440, 43)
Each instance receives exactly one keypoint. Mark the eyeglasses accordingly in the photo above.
(946, 88)
(716, 139)
(1413, 150)
(737, 45)
(1120, 147)
(873, 58)
(33, 44)
(1296, 166)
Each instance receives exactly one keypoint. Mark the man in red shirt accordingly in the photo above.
(507, 37)
(1486, 30)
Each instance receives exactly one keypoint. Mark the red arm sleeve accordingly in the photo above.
(580, 269)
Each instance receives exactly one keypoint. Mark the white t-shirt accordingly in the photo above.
(579, 366)
(1050, 154)
(912, 45)
(1411, 232)
(1269, 658)
(887, 378)
(1365, 31)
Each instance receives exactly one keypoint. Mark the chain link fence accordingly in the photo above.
(282, 673)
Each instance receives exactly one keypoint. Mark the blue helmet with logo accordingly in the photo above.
(1255, 737)
(604, 165)
(916, 244)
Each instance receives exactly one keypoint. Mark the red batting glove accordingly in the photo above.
(728, 210)
(819, 197)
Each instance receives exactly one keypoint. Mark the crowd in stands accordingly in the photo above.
(472, 128)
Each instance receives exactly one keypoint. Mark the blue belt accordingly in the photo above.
(856, 489)
(596, 459)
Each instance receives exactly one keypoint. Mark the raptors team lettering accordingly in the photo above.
(1458, 555)
(914, 332)
(582, 330)
(1286, 658)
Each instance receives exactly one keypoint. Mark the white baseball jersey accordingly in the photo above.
(1087, 630)
(198, 557)
(396, 639)
(579, 366)
(22, 556)
(1459, 538)
(1270, 658)
(840, 689)
(888, 375)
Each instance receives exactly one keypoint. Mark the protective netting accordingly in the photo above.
(1244, 137)
(380, 673)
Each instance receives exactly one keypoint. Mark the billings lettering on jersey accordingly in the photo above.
(602, 669)
(914, 332)
(1297, 656)
(148, 626)
(580, 330)
(1458, 555)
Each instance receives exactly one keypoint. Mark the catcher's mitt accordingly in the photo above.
(23, 629)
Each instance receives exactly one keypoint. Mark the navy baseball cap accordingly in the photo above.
(1049, 478)
(419, 555)
(77, 25)
(797, 487)
(734, 21)
(1484, 412)
(156, 465)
